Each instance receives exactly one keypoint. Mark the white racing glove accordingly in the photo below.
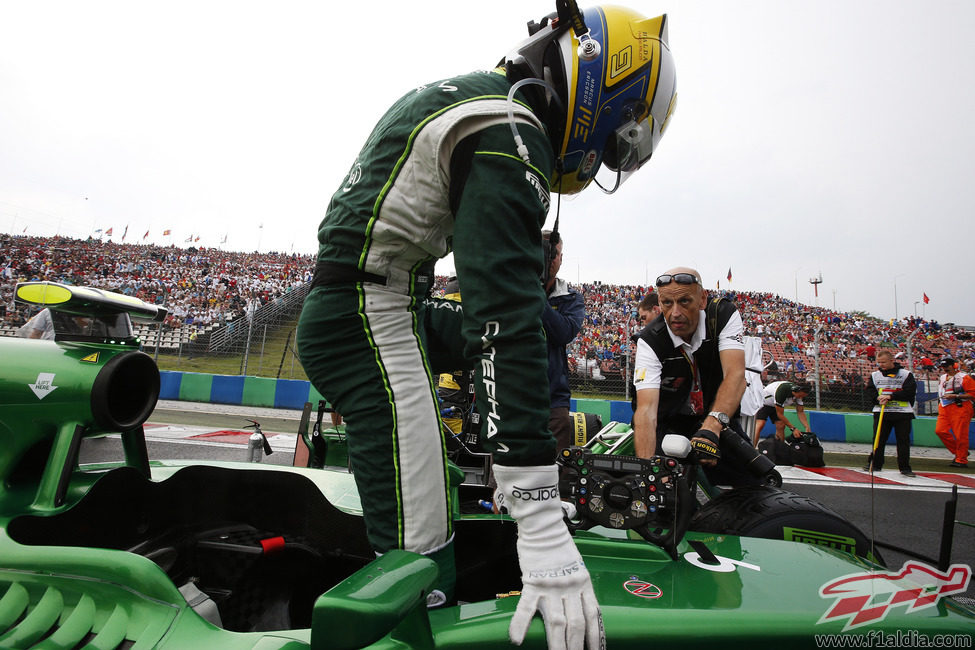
(555, 582)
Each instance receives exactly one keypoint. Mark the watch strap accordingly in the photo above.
(723, 418)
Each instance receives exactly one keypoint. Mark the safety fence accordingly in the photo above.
(261, 342)
(292, 394)
(842, 376)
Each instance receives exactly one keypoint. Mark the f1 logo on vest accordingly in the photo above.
(672, 384)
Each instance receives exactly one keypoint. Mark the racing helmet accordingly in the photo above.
(615, 93)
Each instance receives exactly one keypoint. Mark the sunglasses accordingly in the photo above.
(679, 278)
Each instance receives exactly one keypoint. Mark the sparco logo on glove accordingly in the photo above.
(535, 494)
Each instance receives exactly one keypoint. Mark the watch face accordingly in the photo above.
(720, 417)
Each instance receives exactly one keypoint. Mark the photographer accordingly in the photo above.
(562, 320)
(689, 377)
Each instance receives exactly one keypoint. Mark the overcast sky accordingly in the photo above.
(810, 137)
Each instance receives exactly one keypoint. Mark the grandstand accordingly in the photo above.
(206, 290)
(209, 291)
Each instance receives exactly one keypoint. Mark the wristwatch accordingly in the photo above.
(720, 417)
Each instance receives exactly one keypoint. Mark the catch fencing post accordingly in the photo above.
(247, 346)
(819, 329)
(155, 356)
(627, 374)
(260, 364)
(910, 358)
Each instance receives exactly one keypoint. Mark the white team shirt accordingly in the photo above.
(40, 321)
(768, 396)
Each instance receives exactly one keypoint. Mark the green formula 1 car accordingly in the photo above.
(145, 553)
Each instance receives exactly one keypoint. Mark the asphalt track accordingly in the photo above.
(893, 509)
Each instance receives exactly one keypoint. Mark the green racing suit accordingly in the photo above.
(439, 173)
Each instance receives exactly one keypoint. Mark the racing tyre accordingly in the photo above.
(771, 513)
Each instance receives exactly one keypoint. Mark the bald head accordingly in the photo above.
(681, 300)
(683, 272)
(686, 269)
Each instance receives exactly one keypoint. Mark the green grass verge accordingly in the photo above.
(265, 357)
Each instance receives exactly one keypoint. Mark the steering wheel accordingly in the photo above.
(652, 496)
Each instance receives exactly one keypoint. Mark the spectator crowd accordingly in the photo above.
(848, 340)
(199, 286)
(203, 286)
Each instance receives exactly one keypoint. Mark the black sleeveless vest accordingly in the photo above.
(677, 374)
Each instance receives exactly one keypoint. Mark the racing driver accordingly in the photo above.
(466, 164)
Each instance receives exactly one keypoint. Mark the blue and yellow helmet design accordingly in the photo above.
(618, 93)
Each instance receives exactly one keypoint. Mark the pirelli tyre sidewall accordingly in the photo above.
(772, 513)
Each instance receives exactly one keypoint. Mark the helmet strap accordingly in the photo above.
(569, 14)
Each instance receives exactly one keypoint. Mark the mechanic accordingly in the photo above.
(455, 390)
(777, 396)
(562, 321)
(956, 390)
(40, 326)
(48, 325)
(895, 390)
(466, 164)
(689, 376)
